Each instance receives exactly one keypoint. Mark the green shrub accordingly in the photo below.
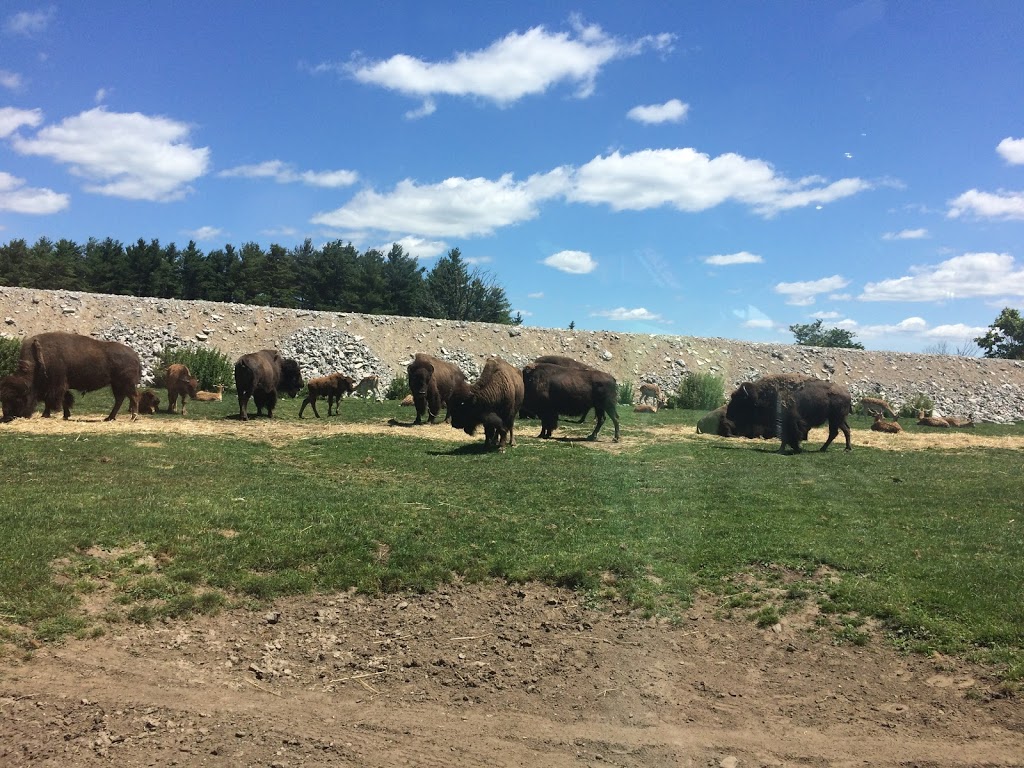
(398, 389)
(626, 393)
(701, 392)
(920, 402)
(10, 349)
(210, 366)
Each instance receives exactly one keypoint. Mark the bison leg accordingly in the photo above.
(117, 407)
(833, 430)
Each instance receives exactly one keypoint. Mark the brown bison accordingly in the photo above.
(149, 401)
(432, 382)
(554, 390)
(566, 362)
(787, 406)
(493, 401)
(333, 386)
(260, 375)
(52, 364)
(708, 423)
(180, 383)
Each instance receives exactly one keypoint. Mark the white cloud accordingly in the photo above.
(825, 315)
(988, 205)
(1012, 150)
(622, 314)
(101, 95)
(11, 119)
(912, 327)
(475, 260)
(971, 275)
(728, 259)
(205, 233)
(906, 234)
(753, 317)
(692, 181)
(518, 65)
(417, 247)
(573, 262)
(283, 173)
(456, 207)
(12, 81)
(803, 293)
(127, 155)
(17, 198)
(29, 24)
(537, 295)
(672, 111)
(523, 312)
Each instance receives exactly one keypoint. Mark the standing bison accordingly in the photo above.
(333, 386)
(180, 383)
(260, 375)
(554, 390)
(432, 382)
(52, 364)
(787, 406)
(493, 401)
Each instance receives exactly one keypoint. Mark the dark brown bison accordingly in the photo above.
(52, 364)
(787, 406)
(149, 401)
(180, 383)
(493, 401)
(432, 382)
(333, 386)
(566, 362)
(260, 375)
(554, 390)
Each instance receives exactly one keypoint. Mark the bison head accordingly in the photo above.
(291, 377)
(419, 378)
(17, 397)
(462, 410)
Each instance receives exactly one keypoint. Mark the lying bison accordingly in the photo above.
(180, 383)
(493, 401)
(554, 390)
(333, 386)
(787, 406)
(432, 382)
(52, 364)
(149, 402)
(260, 375)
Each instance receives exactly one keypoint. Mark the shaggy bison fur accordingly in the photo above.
(554, 390)
(180, 383)
(787, 406)
(493, 401)
(432, 382)
(259, 375)
(52, 364)
(333, 386)
(149, 401)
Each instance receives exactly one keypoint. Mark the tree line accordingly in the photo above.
(335, 277)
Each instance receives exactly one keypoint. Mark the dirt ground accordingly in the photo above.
(489, 674)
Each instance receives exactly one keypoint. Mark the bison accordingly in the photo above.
(787, 406)
(566, 362)
(54, 363)
(180, 383)
(432, 382)
(493, 401)
(554, 390)
(708, 423)
(260, 375)
(334, 386)
(149, 402)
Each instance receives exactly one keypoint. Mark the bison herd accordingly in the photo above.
(784, 406)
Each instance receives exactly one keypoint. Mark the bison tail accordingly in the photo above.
(37, 355)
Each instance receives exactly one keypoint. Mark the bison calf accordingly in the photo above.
(180, 383)
(334, 386)
(149, 401)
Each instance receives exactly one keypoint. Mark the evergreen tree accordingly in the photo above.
(106, 267)
(13, 262)
(405, 289)
(194, 268)
(448, 287)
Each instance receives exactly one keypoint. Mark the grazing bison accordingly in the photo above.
(149, 401)
(260, 375)
(787, 406)
(493, 401)
(554, 390)
(432, 382)
(52, 364)
(180, 383)
(334, 386)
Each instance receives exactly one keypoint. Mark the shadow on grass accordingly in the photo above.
(469, 449)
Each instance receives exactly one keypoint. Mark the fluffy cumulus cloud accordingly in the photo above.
(672, 111)
(205, 234)
(518, 65)
(906, 234)
(988, 205)
(912, 328)
(572, 262)
(30, 23)
(692, 181)
(623, 314)
(11, 119)
(417, 247)
(972, 275)
(456, 207)
(16, 197)
(803, 293)
(1012, 150)
(283, 173)
(730, 259)
(128, 155)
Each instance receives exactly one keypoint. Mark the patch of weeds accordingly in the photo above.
(58, 627)
(797, 592)
(768, 616)
(848, 635)
(191, 604)
(741, 600)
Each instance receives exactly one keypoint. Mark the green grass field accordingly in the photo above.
(930, 543)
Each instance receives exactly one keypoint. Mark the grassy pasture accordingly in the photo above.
(927, 543)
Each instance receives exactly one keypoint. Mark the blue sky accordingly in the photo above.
(709, 169)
